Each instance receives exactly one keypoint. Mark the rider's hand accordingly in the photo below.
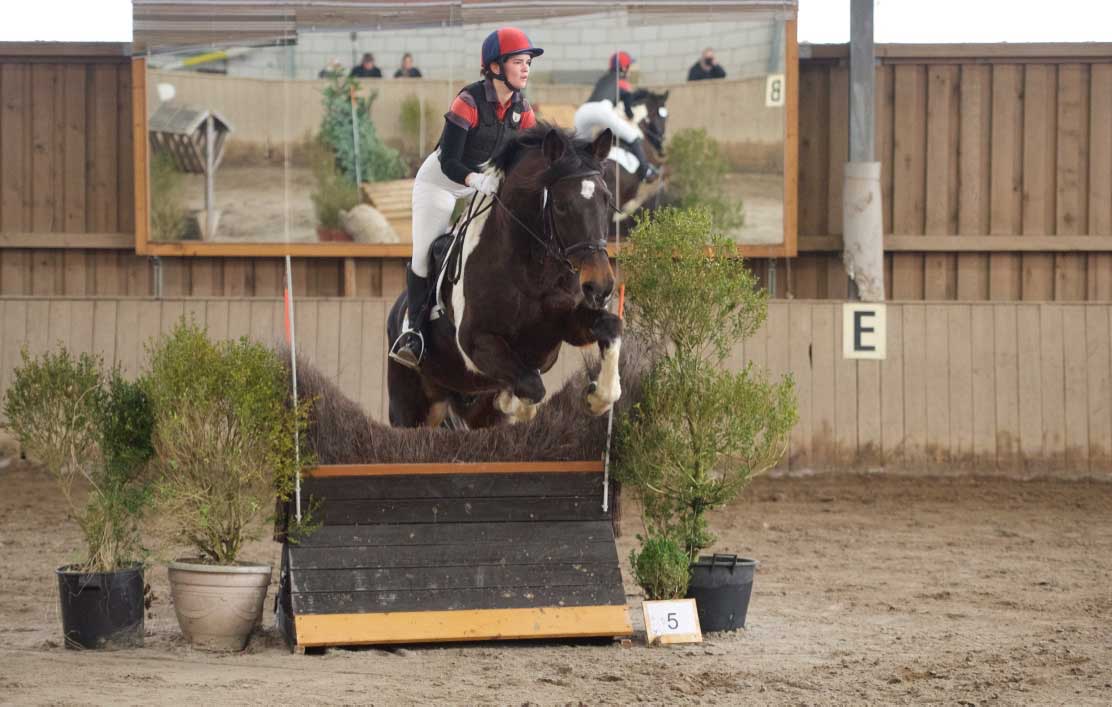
(485, 183)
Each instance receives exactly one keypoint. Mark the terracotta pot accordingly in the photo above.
(332, 234)
(218, 605)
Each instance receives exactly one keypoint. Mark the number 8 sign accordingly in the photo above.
(674, 621)
(774, 91)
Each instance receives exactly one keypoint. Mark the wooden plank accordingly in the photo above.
(1100, 154)
(941, 200)
(239, 319)
(195, 311)
(774, 351)
(1039, 121)
(150, 326)
(372, 382)
(959, 358)
(125, 152)
(1098, 364)
(814, 149)
(138, 275)
(81, 326)
(175, 277)
(75, 270)
(1029, 359)
(38, 336)
(262, 322)
(915, 382)
(1075, 418)
(936, 375)
(128, 346)
(58, 323)
(968, 244)
(1073, 176)
(45, 274)
(845, 398)
(457, 600)
(393, 279)
(237, 277)
(455, 485)
(1005, 204)
(110, 278)
(489, 534)
(14, 321)
(75, 79)
(909, 175)
(15, 146)
(352, 364)
(46, 153)
(101, 176)
(1038, 51)
(800, 355)
(891, 389)
(407, 579)
(328, 339)
(340, 470)
(104, 329)
(1006, 331)
(822, 384)
(306, 315)
(216, 319)
(14, 271)
(982, 388)
(475, 510)
(171, 316)
(449, 626)
(838, 141)
(973, 175)
(84, 241)
(206, 277)
(270, 278)
(869, 413)
(1053, 384)
(885, 143)
(531, 552)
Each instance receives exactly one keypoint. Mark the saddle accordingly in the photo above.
(445, 256)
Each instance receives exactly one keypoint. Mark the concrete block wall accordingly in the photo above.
(576, 50)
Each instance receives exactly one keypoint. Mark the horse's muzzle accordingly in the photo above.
(597, 295)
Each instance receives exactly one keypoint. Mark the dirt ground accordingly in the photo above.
(874, 588)
(254, 206)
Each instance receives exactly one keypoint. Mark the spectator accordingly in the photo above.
(333, 69)
(407, 70)
(367, 68)
(706, 68)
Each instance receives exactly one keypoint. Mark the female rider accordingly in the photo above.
(598, 111)
(483, 117)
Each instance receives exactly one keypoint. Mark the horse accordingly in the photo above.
(533, 274)
(650, 114)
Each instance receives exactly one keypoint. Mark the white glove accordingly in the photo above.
(485, 183)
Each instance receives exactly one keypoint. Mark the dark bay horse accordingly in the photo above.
(650, 114)
(534, 275)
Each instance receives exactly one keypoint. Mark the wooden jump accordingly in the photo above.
(417, 553)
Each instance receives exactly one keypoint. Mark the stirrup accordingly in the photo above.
(403, 355)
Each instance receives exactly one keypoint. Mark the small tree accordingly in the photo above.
(700, 432)
(86, 424)
(224, 437)
(377, 161)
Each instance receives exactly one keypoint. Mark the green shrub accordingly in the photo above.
(334, 192)
(83, 423)
(411, 124)
(223, 435)
(169, 220)
(700, 432)
(377, 161)
(698, 167)
(661, 568)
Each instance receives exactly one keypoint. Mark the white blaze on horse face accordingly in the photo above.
(587, 188)
(609, 386)
(459, 301)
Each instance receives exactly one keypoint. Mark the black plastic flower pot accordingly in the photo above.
(721, 586)
(101, 609)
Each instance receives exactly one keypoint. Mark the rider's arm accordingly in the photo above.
(625, 95)
(460, 118)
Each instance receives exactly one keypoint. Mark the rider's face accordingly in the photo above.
(516, 69)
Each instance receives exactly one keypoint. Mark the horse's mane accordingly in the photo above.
(576, 158)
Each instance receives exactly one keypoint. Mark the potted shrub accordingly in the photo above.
(700, 432)
(224, 446)
(333, 193)
(91, 428)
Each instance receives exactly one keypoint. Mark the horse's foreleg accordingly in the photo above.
(605, 329)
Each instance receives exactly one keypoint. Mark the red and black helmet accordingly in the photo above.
(620, 61)
(507, 41)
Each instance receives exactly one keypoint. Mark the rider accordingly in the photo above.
(484, 116)
(598, 111)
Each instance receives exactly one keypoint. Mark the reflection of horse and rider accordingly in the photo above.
(539, 276)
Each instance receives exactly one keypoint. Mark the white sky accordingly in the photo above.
(820, 21)
(937, 21)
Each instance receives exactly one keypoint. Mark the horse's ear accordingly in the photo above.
(600, 148)
(553, 146)
(665, 96)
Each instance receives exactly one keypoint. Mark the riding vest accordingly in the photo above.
(484, 139)
(610, 89)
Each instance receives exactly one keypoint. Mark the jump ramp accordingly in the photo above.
(419, 553)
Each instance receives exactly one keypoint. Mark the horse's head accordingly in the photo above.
(650, 113)
(565, 176)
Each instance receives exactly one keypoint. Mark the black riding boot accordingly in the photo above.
(410, 346)
(645, 170)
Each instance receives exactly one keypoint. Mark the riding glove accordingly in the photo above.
(485, 183)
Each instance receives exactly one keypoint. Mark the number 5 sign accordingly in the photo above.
(674, 621)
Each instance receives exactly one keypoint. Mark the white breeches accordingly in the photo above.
(434, 198)
(601, 114)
